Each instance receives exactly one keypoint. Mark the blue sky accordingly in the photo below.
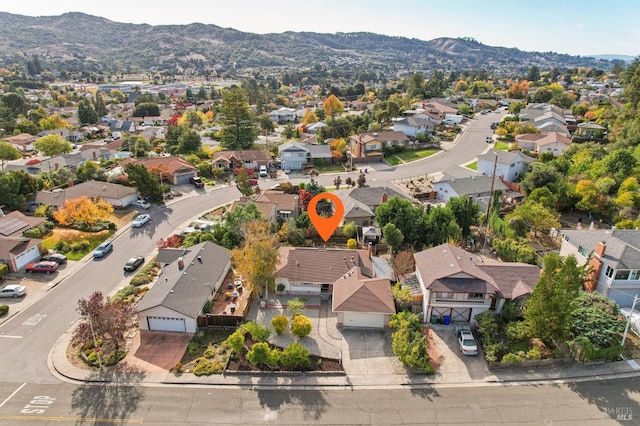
(565, 26)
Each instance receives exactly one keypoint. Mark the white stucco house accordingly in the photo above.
(509, 164)
(614, 258)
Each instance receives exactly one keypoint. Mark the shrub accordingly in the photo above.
(193, 348)
(280, 323)
(261, 353)
(295, 355)
(352, 244)
(296, 306)
(301, 326)
(257, 332)
(62, 247)
(235, 341)
(4, 310)
(512, 358)
(33, 233)
(210, 353)
(176, 368)
(205, 367)
(280, 287)
(4, 270)
(115, 357)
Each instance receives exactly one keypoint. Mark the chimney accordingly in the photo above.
(595, 267)
(600, 248)
(370, 250)
(383, 198)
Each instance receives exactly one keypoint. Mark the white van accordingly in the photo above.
(263, 171)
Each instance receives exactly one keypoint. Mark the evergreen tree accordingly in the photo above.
(239, 131)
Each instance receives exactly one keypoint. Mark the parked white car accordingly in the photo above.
(140, 220)
(466, 341)
(13, 290)
(140, 204)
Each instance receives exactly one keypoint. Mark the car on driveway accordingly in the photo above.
(45, 266)
(13, 290)
(102, 250)
(196, 181)
(59, 258)
(466, 341)
(140, 204)
(141, 220)
(133, 263)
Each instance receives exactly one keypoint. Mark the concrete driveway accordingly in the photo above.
(367, 352)
(452, 364)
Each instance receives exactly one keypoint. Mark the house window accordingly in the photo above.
(582, 251)
(475, 296)
(609, 271)
(440, 295)
(622, 274)
(635, 275)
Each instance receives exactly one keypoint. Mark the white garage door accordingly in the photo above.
(31, 255)
(166, 324)
(352, 319)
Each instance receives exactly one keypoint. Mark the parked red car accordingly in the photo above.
(46, 266)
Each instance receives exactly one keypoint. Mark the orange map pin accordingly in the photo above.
(325, 225)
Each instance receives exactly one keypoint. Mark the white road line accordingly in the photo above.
(12, 395)
(10, 337)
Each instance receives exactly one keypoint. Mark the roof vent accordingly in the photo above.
(297, 263)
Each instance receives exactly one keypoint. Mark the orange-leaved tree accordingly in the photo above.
(83, 210)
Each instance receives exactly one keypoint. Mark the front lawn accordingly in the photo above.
(409, 155)
(472, 166)
(80, 243)
(501, 146)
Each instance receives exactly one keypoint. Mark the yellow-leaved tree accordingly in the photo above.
(309, 117)
(83, 210)
(256, 261)
(332, 106)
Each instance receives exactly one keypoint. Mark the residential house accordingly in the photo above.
(189, 278)
(413, 126)
(175, 169)
(360, 204)
(16, 250)
(369, 147)
(249, 159)
(69, 135)
(553, 142)
(312, 128)
(295, 155)
(458, 285)
(70, 161)
(508, 164)
(613, 257)
(478, 187)
(117, 195)
(589, 132)
(360, 297)
(283, 115)
(24, 142)
(122, 126)
(287, 205)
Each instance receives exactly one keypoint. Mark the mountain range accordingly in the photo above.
(78, 42)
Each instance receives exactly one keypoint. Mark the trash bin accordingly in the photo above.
(447, 319)
(434, 319)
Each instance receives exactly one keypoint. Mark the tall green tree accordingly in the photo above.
(8, 152)
(99, 105)
(86, 113)
(243, 183)
(409, 218)
(393, 237)
(535, 217)
(15, 187)
(549, 310)
(146, 183)
(189, 142)
(238, 131)
(52, 145)
(466, 212)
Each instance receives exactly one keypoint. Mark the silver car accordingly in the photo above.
(13, 290)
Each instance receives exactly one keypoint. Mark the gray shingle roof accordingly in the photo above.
(622, 245)
(187, 290)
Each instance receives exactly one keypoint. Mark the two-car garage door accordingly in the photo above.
(166, 324)
(359, 319)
